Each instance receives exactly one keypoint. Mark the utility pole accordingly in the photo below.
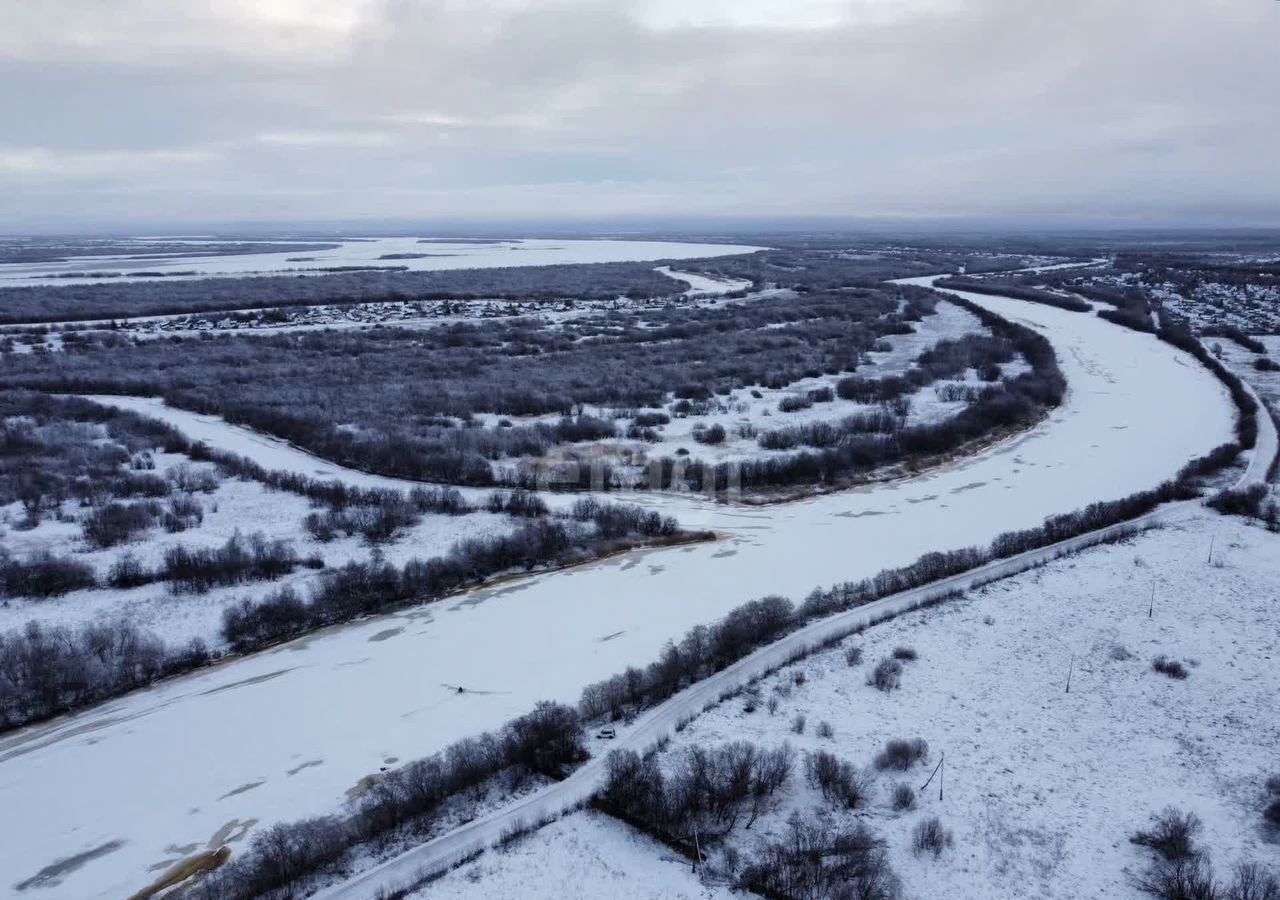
(938, 771)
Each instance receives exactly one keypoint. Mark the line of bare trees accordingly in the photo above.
(707, 793)
(545, 742)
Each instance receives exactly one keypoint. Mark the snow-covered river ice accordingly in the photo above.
(128, 787)
(412, 253)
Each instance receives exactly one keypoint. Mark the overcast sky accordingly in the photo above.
(199, 111)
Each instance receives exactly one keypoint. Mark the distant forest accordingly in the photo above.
(794, 266)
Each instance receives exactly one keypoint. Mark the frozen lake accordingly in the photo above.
(285, 733)
(413, 253)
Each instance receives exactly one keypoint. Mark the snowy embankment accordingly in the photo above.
(284, 734)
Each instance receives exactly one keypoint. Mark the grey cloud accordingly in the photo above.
(418, 108)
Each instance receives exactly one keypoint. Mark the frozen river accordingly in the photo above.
(412, 253)
(135, 784)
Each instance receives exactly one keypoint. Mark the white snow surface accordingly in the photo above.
(169, 767)
(703, 284)
(587, 856)
(270, 452)
(436, 256)
(238, 505)
(1043, 787)
(1267, 384)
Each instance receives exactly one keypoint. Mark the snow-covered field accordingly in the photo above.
(238, 505)
(1267, 384)
(587, 856)
(284, 734)
(400, 252)
(1042, 787)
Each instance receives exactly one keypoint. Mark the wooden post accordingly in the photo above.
(1071, 669)
(1212, 539)
(1151, 610)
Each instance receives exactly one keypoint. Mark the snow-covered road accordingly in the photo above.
(284, 734)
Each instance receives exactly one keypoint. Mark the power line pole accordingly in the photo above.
(938, 771)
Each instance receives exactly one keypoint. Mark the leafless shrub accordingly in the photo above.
(1170, 667)
(44, 575)
(794, 402)
(902, 754)
(930, 837)
(1252, 882)
(853, 656)
(886, 676)
(1271, 815)
(820, 861)
(1186, 878)
(116, 523)
(837, 779)
(905, 654)
(904, 797)
(1171, 834)
(797, 724)
(192, 479)
(127, 571)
